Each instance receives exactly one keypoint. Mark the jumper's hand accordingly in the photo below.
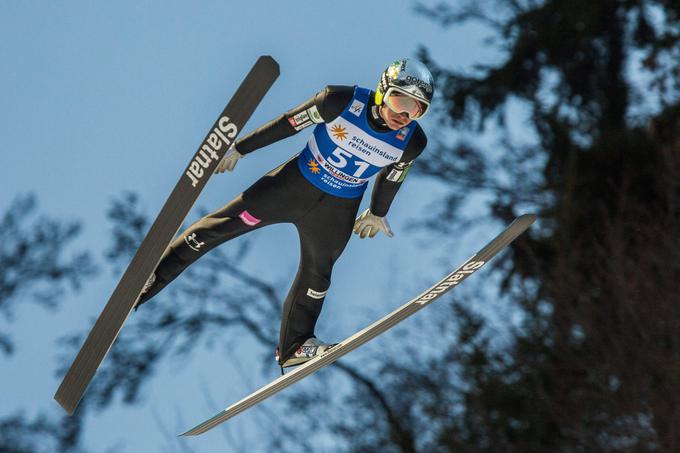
(368, 224)
(229, 160)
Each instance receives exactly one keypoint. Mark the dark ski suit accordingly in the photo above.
(319, 191)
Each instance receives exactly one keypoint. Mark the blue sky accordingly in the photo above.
(98, 98)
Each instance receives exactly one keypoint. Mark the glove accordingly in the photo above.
(368, 224)
(229, 160)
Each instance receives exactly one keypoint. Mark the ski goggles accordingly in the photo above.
(401, 102)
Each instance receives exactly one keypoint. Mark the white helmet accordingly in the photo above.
(409, 77)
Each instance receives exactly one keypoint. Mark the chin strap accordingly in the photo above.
(375, 115)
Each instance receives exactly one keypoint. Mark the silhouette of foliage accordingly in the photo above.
(592, 362)
(34, 262)
(43, 434)
(36, 266)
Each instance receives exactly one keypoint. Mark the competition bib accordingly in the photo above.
(342, 155)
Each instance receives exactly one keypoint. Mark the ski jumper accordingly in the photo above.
(318, 190)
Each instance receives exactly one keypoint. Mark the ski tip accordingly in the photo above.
(527, 218)
(194, 431)
(199, 429)
(190, 432)
(268, 60)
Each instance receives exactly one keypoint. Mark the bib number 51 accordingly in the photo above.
(339, 159)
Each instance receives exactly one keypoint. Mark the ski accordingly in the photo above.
(445, 284)
(192, 181)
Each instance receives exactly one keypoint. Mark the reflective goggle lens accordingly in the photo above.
(402, 103)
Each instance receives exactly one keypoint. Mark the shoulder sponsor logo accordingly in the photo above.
(220, 137)
(301, 117)
(314, 115)
(357, 107)
(300, 121)
(453, 279)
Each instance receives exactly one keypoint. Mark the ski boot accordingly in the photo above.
(311, 348)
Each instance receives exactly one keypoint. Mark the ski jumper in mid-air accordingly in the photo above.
(359, 133)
